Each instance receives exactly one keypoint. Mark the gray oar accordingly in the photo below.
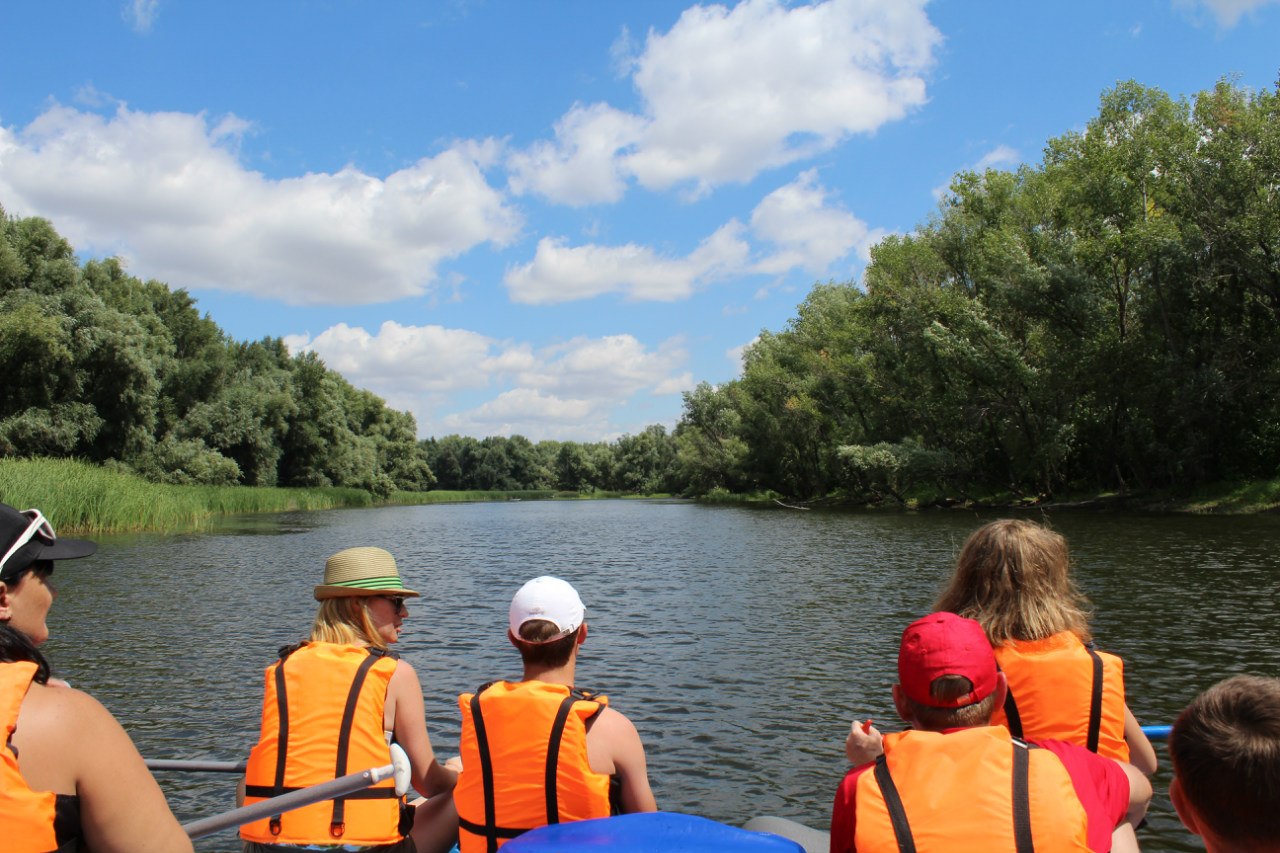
(197, 765)
(343, 785)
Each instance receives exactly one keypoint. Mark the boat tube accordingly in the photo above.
(648, 832)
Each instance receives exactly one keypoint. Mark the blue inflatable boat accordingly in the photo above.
(648, 833)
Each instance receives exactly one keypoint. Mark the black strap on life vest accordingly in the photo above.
(489, 830)
(282, 739)
(337, 823)
(1014, 720)
(1095, 699)
(893, 801)
(1021, 794)
(1022, 797)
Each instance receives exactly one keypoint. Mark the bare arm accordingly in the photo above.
(68, 737)
(407, 718)
(1142, 754)
(613, 746)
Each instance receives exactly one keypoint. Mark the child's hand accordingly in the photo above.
(864, 743)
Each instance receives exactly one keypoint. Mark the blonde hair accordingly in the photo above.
(346, 621)
(1013, 577)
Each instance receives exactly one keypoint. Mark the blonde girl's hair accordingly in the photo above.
(1013, 577)
(346, 621)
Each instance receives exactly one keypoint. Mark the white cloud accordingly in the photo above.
(803, 229)
(808, 233)
(1228, 12)
(406, 358)
(569, 389)
(728, 93)
(560, 273)
(141, 14)
(167, 193)
(581, 167)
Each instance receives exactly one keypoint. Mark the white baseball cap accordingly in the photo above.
(548, 599)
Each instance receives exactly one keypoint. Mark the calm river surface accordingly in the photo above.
(741, 642)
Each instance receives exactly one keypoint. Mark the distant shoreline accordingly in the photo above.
(83, 498)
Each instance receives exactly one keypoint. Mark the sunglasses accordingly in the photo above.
(37, 526)
(396, 601)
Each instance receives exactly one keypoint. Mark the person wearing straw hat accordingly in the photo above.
(70, 777)
(333, 704)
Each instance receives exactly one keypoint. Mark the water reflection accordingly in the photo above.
(740, 641)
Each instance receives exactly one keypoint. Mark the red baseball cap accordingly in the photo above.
(945, 644)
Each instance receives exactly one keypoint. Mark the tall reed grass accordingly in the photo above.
(80, 497)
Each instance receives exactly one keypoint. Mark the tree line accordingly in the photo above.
(1106, 319)
(102, 366)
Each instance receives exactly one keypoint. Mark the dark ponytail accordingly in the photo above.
(16, 646)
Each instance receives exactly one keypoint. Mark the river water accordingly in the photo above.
(740, 641)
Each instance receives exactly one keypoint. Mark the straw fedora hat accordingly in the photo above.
(361, 571)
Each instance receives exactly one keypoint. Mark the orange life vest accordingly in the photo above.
(26, 816)
(322, 718)
(524, 762)
(970, 791)
(1060, 688)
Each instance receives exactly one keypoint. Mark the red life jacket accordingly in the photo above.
(26, 816)
(524, 762)
(322, 718)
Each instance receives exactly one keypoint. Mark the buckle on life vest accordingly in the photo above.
(274, 825)
(337, 829)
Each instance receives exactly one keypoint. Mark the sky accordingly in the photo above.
(548, 218)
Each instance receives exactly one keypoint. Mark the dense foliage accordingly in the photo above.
(1106, 320)
(104, 367)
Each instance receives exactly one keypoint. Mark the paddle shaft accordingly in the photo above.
(195, 765)
(286, 802)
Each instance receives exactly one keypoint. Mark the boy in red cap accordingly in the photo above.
(953, 782)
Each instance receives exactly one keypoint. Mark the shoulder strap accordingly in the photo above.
(893, 801)
(282, 737)
(337, 825)
(1095, 700)
(1022, 798)
(553, 758)
(1012, 718)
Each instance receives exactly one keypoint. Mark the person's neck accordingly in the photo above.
(551, 674)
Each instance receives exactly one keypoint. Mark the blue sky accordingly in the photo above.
(548, 218)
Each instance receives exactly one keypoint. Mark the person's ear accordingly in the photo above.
(900, 703)
(1002, 689)
(582, 634)
(512, 638)
(1186, 813)
(6, 602)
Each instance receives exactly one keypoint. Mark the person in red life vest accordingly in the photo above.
(1014, 577)
(539, 751)
(955, 783)
(1225, 748)
(333, 704)
(70, 778)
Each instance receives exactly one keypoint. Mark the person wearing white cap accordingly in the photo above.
(538, 750)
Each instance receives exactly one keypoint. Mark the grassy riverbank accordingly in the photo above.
(1238, 498)
(82, 498)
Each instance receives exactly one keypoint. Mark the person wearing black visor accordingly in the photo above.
(70, 777)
